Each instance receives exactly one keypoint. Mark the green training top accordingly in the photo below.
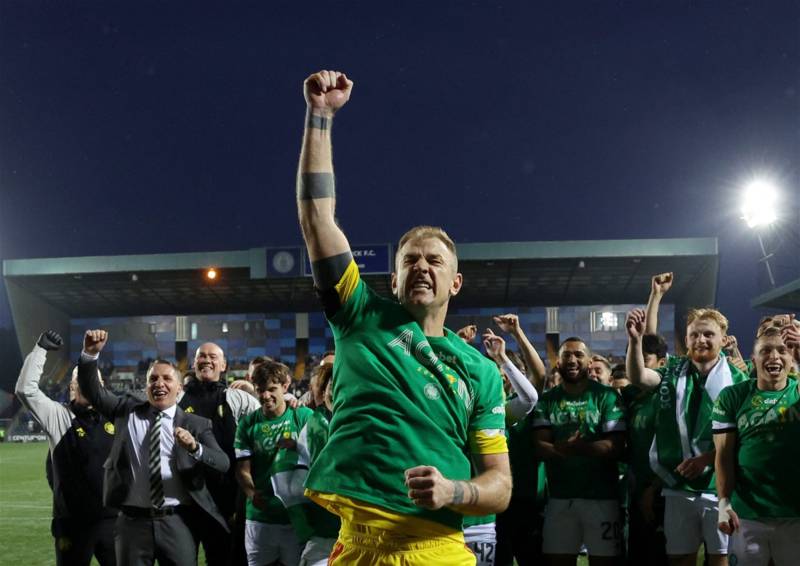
(767, 426)
(640, 407)
(595, 412)
(270, 445)
(400, 400)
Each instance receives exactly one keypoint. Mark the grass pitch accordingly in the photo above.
(26, 505)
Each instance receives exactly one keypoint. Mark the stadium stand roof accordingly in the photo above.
(786, 298)
(272, 279)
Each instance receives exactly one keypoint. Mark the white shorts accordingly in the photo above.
(691, 519)
(265, 543)
(482, 540)
(316, 551)
(568, 523)
(757, 541)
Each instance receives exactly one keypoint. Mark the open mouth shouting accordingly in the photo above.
(773, 369)
(421, 285)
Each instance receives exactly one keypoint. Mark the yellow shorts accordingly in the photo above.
(362, 545)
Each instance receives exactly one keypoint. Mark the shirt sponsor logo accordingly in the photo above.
(579, 417)
(774, 415)
(499, 411)
(758, 402)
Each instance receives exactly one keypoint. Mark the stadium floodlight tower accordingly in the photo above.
(759, 211)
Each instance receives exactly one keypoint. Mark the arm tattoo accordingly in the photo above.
(462, 498)
(458, 493)
(316, 185)
(473, 493)
(317, 122)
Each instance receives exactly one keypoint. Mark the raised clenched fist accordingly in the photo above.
(468, 333)
(50, 340)
(661, 283)
(507, 322)
(94, 341)
(327, 91)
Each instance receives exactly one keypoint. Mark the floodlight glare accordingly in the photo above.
(760, 198)
(211, 274)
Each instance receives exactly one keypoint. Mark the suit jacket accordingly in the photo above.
(118, 473)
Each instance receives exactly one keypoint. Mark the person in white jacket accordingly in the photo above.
(80, 440)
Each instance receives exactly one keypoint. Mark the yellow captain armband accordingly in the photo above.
(348, 282)
(488, 441)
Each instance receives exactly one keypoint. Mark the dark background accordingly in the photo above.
(145, 127)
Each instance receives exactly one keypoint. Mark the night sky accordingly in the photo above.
(146, 127)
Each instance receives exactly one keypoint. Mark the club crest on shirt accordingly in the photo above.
(431, 391)
(423, 353)
(109, 428)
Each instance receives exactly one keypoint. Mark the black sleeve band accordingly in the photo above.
(328, 271)
(330, 301)
(316, 185)
(724, 430)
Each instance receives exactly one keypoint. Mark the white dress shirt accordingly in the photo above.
(139, 453)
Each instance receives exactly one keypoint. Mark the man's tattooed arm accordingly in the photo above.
(464, 493)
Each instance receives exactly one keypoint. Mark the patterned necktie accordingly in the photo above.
(156, 487)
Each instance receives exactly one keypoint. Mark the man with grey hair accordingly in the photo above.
(208, 395)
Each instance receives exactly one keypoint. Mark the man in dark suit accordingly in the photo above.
(154, 473)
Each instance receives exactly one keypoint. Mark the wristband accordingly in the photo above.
(724, 510)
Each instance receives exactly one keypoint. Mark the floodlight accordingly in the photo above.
(760, 200)
(211, 273)
(608, 321)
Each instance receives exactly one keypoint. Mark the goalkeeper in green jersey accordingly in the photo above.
(756, 431)
(412, 404)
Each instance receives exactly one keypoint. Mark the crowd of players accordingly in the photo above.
(415, 440)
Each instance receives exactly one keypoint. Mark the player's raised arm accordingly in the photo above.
(325, 93)
(659, 285)
(634, 359)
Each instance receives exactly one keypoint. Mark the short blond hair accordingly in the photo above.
(708, 314)
(603, 360)
(425, 232)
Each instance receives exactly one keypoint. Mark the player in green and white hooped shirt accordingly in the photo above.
(756, 431)
(579, 427)
(682, 453)
(266, 453)
(480, 532)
